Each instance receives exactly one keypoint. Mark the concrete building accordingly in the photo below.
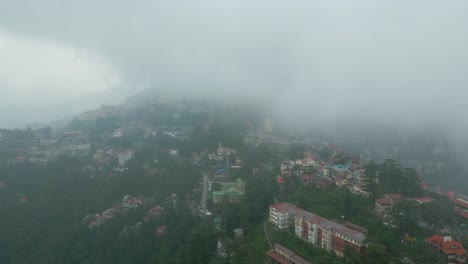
(318, 230)
(125, 156)
(383, 206)
(282, 215)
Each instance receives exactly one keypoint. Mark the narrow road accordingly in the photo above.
(266, 234)
(205, 192)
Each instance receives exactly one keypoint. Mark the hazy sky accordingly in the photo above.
(391, 60)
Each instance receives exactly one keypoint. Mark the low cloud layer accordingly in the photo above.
(34, 68)
(399, 61)
(39, 73)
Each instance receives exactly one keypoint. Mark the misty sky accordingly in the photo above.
(379, 60)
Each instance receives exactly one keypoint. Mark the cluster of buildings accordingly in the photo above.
(266, 134)
(223, 159)
(42, 149)
(109, 160)
(154, 212)
(339, 169)
(317, 230)
(128, 202)
(151, 215)
(44, 145)
(224, 189)
(96, 220)
(227, 246)
(350, 174)
(133, 202)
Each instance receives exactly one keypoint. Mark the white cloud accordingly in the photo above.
(40, 71)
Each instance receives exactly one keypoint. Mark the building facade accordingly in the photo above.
(282, 215)
(124, 157)
(317, 230)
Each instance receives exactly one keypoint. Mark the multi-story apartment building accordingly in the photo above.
(282, 215)
(317, 230)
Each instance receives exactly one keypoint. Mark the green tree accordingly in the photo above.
(376, 254)
(371, 179)
(437, 213)
(406, 216)
(389, 175)
(350, 255)
(410, 183)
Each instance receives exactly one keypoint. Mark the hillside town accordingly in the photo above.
(253, 184)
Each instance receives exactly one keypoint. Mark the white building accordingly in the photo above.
(281, 215)
(118, 133)
(125, 156)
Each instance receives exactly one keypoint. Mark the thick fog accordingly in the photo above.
(402, 62)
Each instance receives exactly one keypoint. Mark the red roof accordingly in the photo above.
(461, 202)
(161, 230)
(461, 212)
(421, 200)
(299, 260)
(283, 207)
(383, 201)
(448, 247)
(393, 196)
(285, 250)
(277, 257)
(424, 185)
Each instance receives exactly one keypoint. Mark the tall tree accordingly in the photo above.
(410, 183)
(390, 175)
(371, 179)
(406, 216)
